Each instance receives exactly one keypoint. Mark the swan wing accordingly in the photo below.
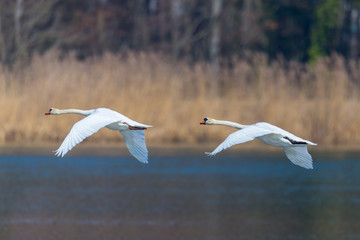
(81, 130)
(135, 142)
(299, 155)
(241, 136)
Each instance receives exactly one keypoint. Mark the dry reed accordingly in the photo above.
(319, 103)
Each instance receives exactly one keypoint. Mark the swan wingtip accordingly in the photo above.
(143, 160)
(210, 154)
(56, 153)
(59, 153)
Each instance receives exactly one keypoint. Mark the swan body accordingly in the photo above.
(132, 131)
(294, 147)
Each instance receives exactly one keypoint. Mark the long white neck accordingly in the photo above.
(228, 124)
(76, 111)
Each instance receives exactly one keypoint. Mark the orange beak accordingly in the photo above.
(203, 122)
(47, 113)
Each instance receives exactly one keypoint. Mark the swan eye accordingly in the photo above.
(50, 109)
(205, 119)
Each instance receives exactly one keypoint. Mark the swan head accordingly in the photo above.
(52, 111)
(208, 121)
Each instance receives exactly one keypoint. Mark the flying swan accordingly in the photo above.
(133, 132)
(294, 147)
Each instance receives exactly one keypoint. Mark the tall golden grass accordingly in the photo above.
(317, 102)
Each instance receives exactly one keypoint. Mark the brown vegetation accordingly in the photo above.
(319, 102)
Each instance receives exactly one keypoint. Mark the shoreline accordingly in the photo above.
(157, 149)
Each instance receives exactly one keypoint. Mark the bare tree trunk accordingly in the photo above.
(141, 33)
(3, 51)
(217, 83)
(20, 46)
(162, 23)
(353, 48)
(17, 20)
(100, 28)
(250, 30)
(176, 12)
(246, 23)
(215, 35)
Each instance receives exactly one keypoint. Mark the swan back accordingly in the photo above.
(119, 117)
(277, 130)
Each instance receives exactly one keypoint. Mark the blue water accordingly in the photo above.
(247, 196)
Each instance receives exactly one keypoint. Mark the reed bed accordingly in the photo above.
(317, 102)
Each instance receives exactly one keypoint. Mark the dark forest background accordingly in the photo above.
(167, 62)
(193, 30)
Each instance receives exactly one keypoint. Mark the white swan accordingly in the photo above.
(133, 132)
(295, 148)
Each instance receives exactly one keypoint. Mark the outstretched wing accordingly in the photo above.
(135, 142)
(299, 155)
(81, 130)
(241, 136)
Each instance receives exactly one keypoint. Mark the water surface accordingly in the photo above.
(247, 196)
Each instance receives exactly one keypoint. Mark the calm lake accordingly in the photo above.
(243, 196)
